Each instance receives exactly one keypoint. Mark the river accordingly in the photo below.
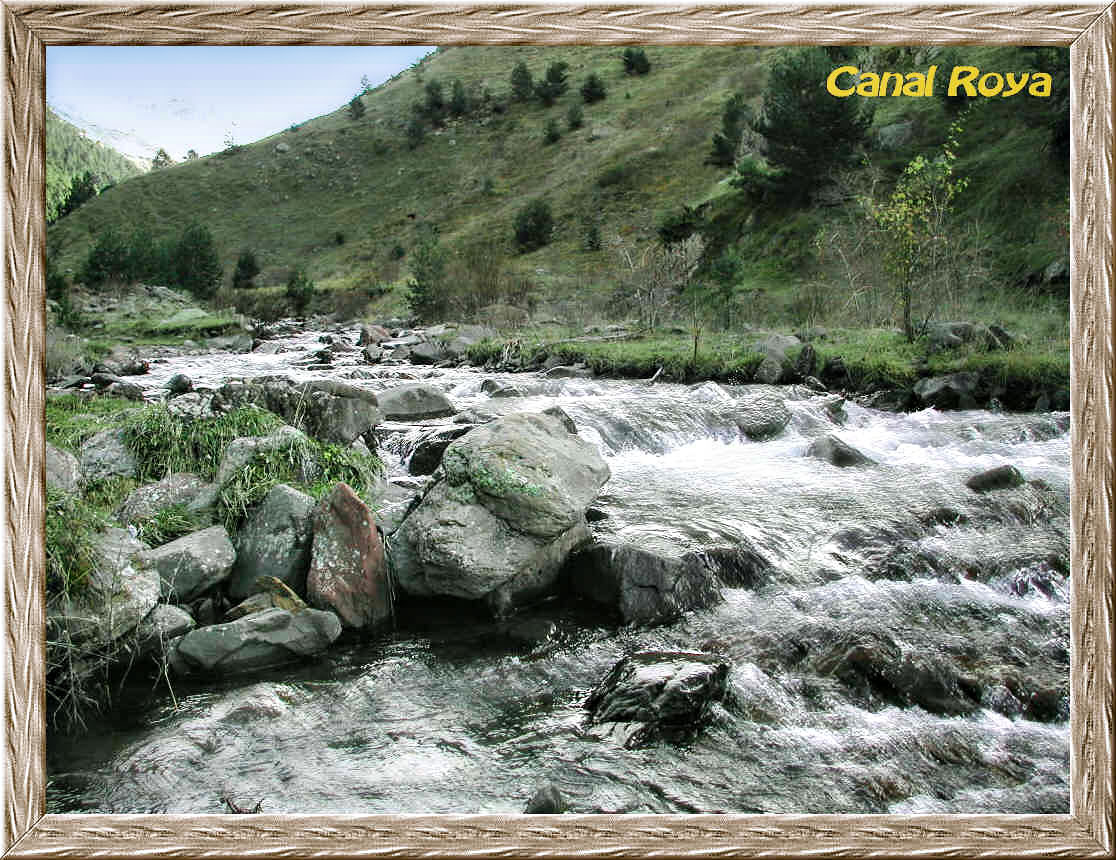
(454, 713)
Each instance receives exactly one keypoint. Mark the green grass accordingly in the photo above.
(70, 420)
(167, 524)
(72, 525)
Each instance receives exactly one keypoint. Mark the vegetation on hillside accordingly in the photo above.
(75, 163)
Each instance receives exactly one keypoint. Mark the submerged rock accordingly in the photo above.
(261, 639)
(547, 800)
(837, 453)
(1000, 478)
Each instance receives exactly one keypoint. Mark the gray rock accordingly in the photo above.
(645, 587)
(242, 450)
(162, 625)
(1000, 478)
(547, 800)
(192, 564)
(429, 352)
(659, 692)
(414, 403)
(326, 409)
(372, 354)
(956, 391)
(118, 594)
(426, 456)
(770, 371)
(267, 638)
(507, 515)
(372, 335)
(762, 416)
(63, 471)
(193, 404)
(144, 502)
(837, 453)
(180, 383)
(106, 456)
(274, 541)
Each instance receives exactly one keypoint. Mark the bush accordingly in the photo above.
(356, 108)
(726, 142)
(533, 225)
(300, 290)
(71, 529)
(459, 101)
(427, 298)
(247, 268)
(194, 262)
(593, 90)
(107, 261)
(415, 132)
(574, 117)
(521, 83)
(552, 133)
(636, 62)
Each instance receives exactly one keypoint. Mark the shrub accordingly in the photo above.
(107, 261)
(71, 529)
(247, 268)
(194, 262)
(300, 289)
(533, 225)
(552, 133)
(593, 90)
(726, 142)
(427, 298)
(636, 62)
(356, 108)
(459, 101)
(574, 117)
(591, 237)
(521, 83)
(398, 252)
(168, 524)
(415, 132)
(58, 291)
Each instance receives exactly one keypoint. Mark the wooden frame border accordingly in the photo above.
(1087, 832)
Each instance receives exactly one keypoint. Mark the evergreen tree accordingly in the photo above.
(459, 100)
(551, 88)
(553, 133)
(808, 132)
(574, 116)
(246, 270)
(82, 189)
(416, 131)
(635, 61)
(194, 262)
(726, 142)
(593, 90)
(161, 160)
(300, 289)
(356, 108)
(427, 298)
(107, 261)
(522, 85)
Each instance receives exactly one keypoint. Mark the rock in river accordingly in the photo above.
(275, 541)
(509, 511)
(192, 564)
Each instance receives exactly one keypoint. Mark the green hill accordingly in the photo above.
(69, 154)
(356, 201)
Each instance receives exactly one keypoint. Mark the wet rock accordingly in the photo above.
(999, 698)
(430, 352)
(274, 595)
(135, 367)
(372, 335)
(105, 456)
(645, 587)
(414, 403)
(180, 383)
(837, 453)
(1000, 478)
(275, 541)
(761, 417)
(348, 573)
(659, 691)
(509, 512)
(180, 488)
(163, 624)
(806, 364)
(1048, 705)
(427, 453)
(547, 800)
(738, 566)
(267, 638)
(63, 471)
(192, 564)
(372, 354)
(955, 391)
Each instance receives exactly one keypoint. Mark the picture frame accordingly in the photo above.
(1088, 28)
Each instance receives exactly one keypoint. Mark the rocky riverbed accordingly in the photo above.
(586, 594)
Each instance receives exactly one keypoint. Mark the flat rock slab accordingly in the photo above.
(414, 403)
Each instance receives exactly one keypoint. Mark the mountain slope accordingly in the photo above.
(70, 153)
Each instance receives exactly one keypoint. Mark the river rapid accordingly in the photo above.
(455, 713)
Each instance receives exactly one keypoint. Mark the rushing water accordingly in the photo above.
(454, 713)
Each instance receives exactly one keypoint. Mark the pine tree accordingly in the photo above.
(356, 108)
(246, 270)
(593, 90)
(522, 85)
(551, 88)
(459, 100)
(533, 225)
(194, 262)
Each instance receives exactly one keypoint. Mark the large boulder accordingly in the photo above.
(63, 471)
(261, 639)
(192, 564)
(414, 403)
(241, 451)
(955, 391)
(762, 416)
(654, 692)
(348, 572)
(508, 513)
(426, 455)
(106, 456)
(372, 334)
(180, 488)
(1000, 478)
(117, 596)
(161, 626)
(326, 409)
(274, 541)
(645, 587)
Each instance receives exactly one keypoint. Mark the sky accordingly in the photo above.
(138, 99)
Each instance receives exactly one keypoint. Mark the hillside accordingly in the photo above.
(356, 202)
(69, 154)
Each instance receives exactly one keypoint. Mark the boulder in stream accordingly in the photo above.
(192, 564)
(837, 452)
(761, 416)
(658, 692)
(1000, 478)
(414, 403)
(325, 408)
(502, 522)
(275, 541)
(267, 638)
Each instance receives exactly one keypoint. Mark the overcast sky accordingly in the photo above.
(193, 97)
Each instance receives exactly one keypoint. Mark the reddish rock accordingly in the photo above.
(348, 571)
